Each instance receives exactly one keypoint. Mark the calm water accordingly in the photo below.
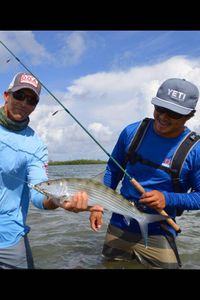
(64, 240)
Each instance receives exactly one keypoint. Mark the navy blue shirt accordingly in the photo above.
(159, 150)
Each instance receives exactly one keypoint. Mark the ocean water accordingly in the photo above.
(64, 240)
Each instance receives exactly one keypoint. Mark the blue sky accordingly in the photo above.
(106, 79)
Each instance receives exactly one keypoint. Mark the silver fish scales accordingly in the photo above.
(62, 189)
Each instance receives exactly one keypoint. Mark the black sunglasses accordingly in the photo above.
(21, 96)
(170, 113)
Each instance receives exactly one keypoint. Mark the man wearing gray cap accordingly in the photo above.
(163, 156)
(24, 161)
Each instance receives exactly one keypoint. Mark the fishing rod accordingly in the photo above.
(132, 180)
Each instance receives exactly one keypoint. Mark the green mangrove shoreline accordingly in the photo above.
(77, 162)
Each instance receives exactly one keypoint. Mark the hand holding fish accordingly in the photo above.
(79, 202)
(96, 219)
(153, 199)
(76, 203)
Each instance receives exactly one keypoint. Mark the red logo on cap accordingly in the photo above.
(29, 79)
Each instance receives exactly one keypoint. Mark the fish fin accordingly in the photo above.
(150, 218)
(127, 220)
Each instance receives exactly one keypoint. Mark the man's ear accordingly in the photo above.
(5, 95)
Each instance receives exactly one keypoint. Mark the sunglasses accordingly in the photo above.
(21, 96)
(170, 113)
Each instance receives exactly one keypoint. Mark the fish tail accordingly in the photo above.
(149, 218)
(144, 231)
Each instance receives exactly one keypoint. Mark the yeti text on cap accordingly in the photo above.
(29, 79)
(176, 95)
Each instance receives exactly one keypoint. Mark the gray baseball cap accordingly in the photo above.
(25, 81)
(178, 95)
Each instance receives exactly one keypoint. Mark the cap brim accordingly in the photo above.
(171, 106)
(17, 88)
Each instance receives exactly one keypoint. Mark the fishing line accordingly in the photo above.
(23, 180)
(132, 180)
(64, 108)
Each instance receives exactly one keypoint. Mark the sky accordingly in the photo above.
(104, 79)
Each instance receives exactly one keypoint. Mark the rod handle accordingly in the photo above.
(169, 220)
(137, 185)
(161, 211)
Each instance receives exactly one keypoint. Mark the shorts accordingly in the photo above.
(161, 251)
(18, 256)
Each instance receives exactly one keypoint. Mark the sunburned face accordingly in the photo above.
(18, 110)
(167, 126)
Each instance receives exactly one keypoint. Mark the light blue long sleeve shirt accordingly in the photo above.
(158, 150)
(23, 159)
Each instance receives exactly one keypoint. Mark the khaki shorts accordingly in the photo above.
(123, 245)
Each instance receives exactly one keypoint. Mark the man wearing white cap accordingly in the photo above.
(149, 155)
(24, 160)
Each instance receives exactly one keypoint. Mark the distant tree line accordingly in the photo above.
(77, 162)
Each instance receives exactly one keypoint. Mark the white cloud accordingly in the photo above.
(104, 103)
(99, 131)
(25, 44)
(74, 46)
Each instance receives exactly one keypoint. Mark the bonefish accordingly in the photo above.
(62, 189)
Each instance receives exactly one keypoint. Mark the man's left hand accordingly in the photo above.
(153, 199)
